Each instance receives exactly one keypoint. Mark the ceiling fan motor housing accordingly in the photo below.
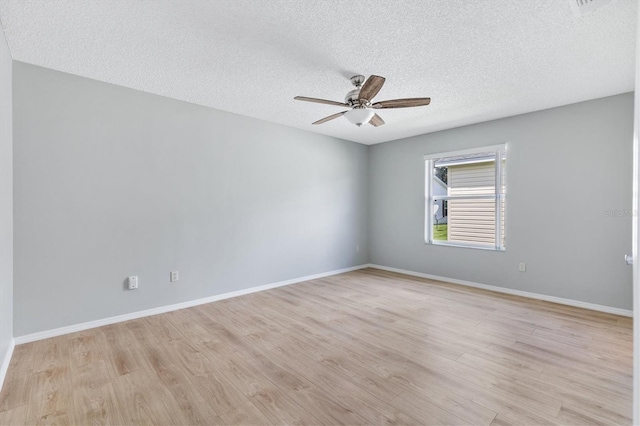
(352, 97)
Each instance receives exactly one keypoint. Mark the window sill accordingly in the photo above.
(469, 246)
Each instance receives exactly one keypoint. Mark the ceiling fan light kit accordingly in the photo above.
(359, 99)
(359, 116)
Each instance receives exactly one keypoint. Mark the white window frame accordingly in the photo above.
(500, 195)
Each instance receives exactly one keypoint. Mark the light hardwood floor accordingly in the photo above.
(366, 347)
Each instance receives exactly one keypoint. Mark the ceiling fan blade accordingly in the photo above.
(329, 118)
(376, 120)
(371, 87)
(320, 101)
(402, 103)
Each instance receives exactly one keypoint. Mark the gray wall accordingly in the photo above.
(569, 173)
(111, 182)
(6, 199)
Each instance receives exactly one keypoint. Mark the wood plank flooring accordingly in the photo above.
(366, 347)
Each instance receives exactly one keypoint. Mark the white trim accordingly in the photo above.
(162, 309)
(5, 361)
(475, 246)
(499, 197)
(465, 162)
(428, 201)
(554, 299)
(469, 151)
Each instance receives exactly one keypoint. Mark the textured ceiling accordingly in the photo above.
(478, 60)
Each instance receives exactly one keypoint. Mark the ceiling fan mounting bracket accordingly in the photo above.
(357, 80)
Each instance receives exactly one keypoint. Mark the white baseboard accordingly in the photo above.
(560, 300)
(5, 362)
(162, 309)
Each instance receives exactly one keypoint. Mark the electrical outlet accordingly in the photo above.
(133, 282)
(522, 267)
(173, 276)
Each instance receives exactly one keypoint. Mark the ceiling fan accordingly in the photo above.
(359, 100)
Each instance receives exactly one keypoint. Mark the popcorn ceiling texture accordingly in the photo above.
(477, 60)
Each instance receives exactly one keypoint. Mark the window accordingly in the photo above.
(465, 198)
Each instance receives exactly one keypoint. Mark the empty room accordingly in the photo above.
(255, 212)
